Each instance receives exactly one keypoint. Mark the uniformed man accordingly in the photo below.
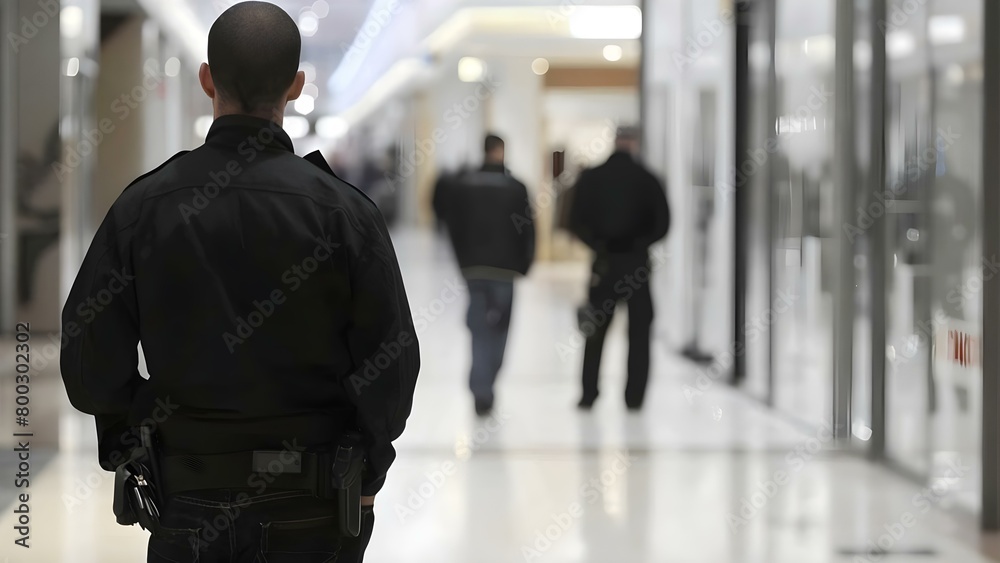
(491, 225)
(619, 209)
(273, 320)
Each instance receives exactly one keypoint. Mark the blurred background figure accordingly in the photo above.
(489, 219)
(619, 209)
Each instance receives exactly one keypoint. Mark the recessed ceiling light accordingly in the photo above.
(471, 69)
(606, 22)
(540, 66)
(613, 53)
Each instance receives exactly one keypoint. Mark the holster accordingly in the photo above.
(136, 498)
(345, 480)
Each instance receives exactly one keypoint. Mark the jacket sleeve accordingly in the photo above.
(384, 349)
(661, 212)
(440, 199)
(100, 336)
(528, 233)
(580, 220)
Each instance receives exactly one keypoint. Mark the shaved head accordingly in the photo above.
(253, 54)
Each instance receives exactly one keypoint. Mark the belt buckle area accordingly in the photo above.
(277, 462)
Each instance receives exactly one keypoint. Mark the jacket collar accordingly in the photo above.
(235, 130)
(619, 156)
(494, 168)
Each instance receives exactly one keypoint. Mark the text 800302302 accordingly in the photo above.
(22, 381)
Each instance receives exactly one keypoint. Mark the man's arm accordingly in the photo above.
(580, 220)
(657, 201)
(384, 349)
(100, 332)
(527, 229)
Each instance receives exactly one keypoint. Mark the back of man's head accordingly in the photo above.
(492, 143)
(253, 53)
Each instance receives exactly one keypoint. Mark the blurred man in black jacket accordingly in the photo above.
(491, 225)
(272, 315)
(619, 209)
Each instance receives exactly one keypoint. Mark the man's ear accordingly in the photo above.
(205, 77)
(297, 85)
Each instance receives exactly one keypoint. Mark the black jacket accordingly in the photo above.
(619, 207)
(267, 297)
(490, 221)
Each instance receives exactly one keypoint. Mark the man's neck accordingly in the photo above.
(273, 115)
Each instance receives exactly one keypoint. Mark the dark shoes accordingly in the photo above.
(483, 407)
(586, 403)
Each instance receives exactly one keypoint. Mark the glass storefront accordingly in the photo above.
(914, 239)
(924, 215)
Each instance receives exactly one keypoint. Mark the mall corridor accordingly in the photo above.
(699, 477)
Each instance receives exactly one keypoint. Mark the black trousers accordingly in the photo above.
(236, 526)
(619, 278)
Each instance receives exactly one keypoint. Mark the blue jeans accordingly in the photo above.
(234, 527)
(490, 304)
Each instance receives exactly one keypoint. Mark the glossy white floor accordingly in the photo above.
(695, 478)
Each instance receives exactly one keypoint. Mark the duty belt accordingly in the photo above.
(321, 473)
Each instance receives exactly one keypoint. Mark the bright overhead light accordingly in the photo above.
(296, 126)
(305, 104)
(471, 69)
(202, 125)
(321, 8)
(311, 90)
(613, 53)
(899, 44)
(946, 30)
(310, 71)
(820, 48)
(73, 67)
(332, 127)
(172, 67)
(540, 66)
(606, 22)
(71, 22)
(308, 23)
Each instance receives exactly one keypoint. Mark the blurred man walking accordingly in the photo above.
(619, 210)
(490, 222)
